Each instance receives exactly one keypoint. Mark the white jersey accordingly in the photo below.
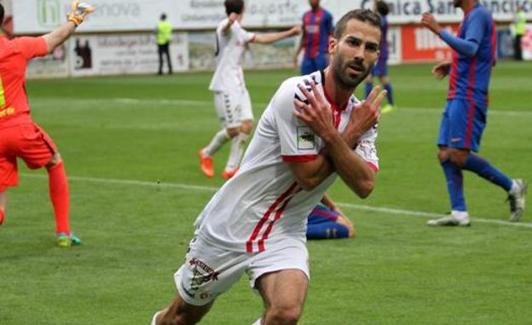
(230, 48)
(262, 203)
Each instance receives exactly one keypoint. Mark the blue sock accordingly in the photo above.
(389, 93)
(455, 187)
(484, 169)
(369, 87)
(327, 230)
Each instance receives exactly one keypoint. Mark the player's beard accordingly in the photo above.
(345, 79)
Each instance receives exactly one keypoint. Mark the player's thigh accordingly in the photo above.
(271, 271)
(322, 61)
(8, 170)
(227, 109)
(466, 124)
(307, 66)
(245, 110)
(208, 272)
(34, 146)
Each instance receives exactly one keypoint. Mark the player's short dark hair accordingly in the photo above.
(1, 14)
(363, 15)
(382, 8)
(163, 16)
(236, 6)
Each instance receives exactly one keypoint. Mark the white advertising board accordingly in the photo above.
(38, 16)
(123, 54)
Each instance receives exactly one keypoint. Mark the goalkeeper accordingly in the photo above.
(22, 138)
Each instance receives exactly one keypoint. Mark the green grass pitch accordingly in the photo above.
(130, 146)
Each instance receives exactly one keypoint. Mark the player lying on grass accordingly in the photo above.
(326, 221)
(22, 138)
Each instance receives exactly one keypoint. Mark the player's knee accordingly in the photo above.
(285, 314)
(246, 127)
(458, 158)
(443, 155)
(56, 159)
(233, 132)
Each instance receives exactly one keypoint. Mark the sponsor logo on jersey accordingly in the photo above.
(306, 140)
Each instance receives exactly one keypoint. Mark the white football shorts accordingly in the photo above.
(233, 107)
(209, 270)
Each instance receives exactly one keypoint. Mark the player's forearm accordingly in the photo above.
(353, 170)
(268, 38)
(464, 47)
(59, 36)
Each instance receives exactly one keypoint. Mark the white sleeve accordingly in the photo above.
(298, 141)
(366, 148)
(243, 34)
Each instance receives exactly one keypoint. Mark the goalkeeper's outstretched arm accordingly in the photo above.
(63, 32)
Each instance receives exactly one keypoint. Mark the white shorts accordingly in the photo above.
(233, 107)
(209, 270)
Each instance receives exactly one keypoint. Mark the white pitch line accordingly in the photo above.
(410, 213)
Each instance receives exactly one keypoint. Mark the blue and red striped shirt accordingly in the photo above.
(317, 27)
(474, 56)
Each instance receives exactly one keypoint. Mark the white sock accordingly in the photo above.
(460, 215)
(153, 320)
(258, 322)
(237, 151)
(216, 143)
(514, 188)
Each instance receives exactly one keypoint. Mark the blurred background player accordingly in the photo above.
(231, 97)
(326, 221)
(20, 137)
(164, 36)
(317, 28)
(519, 28)
(381, 68)
(464, 117)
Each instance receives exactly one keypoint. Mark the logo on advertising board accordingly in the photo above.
(48, 13)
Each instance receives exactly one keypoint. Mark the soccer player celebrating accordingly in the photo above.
(464, 117)
(317, 28)
(231, 97)
(20, 137)
(312, 130)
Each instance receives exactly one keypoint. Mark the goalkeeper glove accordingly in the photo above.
(78, 11)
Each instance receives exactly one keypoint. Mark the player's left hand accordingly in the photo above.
(428, 20)
(78, 11)
(365, 115)
(316, 112)
(296, 30)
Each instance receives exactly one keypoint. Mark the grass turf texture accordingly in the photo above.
(120, 136)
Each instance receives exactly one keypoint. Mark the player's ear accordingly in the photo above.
(333, 43)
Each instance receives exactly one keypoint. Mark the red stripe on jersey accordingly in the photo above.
(266, 216)
(306, 22)
(278, 215)
(302, 158)
(471, 101)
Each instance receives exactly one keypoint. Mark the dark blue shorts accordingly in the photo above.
(462, 124)
(381, 68)
(310, 65)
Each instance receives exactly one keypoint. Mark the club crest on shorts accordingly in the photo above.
(306, 140)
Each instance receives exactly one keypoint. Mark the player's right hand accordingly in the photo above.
(78, 11)
(441, 70)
